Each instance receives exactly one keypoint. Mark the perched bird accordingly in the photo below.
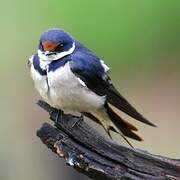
(70, 77)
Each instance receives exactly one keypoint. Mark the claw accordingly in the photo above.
(53, 110)
(77, 123)
(58, 114)
(109, 134)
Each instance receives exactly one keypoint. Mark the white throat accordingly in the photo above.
(57, 56)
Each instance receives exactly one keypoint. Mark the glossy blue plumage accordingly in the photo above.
(82, 60)
(57, 36)
(53, 66)
(37, 67)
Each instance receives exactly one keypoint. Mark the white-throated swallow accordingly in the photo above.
(70, 77)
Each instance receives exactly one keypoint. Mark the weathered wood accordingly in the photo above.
(99, 158)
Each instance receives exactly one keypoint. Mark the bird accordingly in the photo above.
(71, 77)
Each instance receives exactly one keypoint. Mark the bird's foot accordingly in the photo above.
(58, 114)
(77, 122)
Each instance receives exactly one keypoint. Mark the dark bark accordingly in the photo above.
(99, 158)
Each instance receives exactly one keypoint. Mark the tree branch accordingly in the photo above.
(99, 158)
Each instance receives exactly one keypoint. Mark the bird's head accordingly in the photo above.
(54, 44)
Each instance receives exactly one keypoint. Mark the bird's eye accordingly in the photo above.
(59, 47)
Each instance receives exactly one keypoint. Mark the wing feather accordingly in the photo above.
(91, 71)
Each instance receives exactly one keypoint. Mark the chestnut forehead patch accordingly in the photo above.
(49, 45)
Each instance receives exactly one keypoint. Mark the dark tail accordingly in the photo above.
(117, 100)
(122, 125)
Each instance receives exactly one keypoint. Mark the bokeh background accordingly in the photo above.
(138, 39)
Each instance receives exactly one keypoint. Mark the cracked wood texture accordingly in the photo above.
(99, 158)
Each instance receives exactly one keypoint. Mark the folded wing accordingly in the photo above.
(92, 72)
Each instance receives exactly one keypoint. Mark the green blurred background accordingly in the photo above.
(138, 39)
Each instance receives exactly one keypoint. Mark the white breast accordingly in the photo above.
(70, 93)
(62, 89)
(40, 83)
